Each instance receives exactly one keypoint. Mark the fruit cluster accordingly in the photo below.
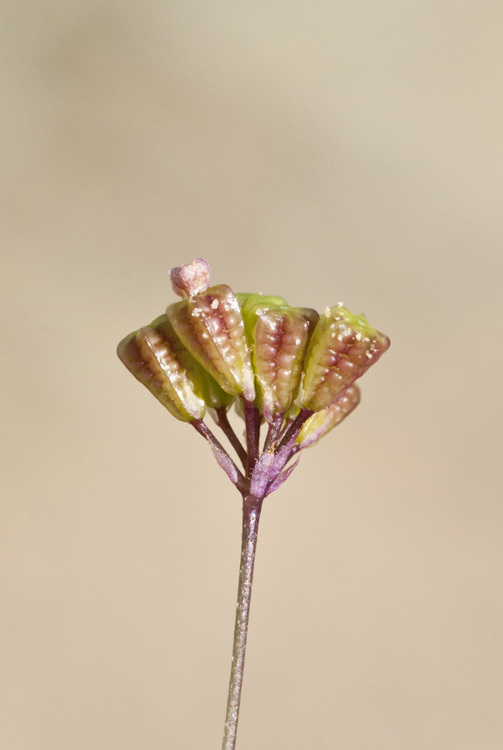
(287, 367)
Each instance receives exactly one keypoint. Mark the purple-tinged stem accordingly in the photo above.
(252, 425)
(221, 454)
(295, 427)
(225, 425)
(251, 515)
(258, 422)
(274, 430)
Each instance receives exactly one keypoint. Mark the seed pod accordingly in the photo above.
(206, 386)
(322, 422)
(214, 396)
(210, 325)
(158, 359)
(343, 346)
(279, 336)
(252, 305)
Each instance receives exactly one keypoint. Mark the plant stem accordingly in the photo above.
(295, 427)
(221, 454)
(274, 430)
(224, 424)
(251, 515)
(252, 424)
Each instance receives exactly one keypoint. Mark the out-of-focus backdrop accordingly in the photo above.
(317, 150)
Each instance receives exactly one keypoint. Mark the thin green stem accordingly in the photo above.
(251, 515)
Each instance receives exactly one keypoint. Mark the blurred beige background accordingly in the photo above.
(322, 151)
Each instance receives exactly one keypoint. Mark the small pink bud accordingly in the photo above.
(191, 279)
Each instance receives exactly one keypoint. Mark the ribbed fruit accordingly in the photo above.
(210, 325)
(342, 348)
(322, 422)
(157, 358)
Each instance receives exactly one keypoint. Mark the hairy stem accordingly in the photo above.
(251, 515)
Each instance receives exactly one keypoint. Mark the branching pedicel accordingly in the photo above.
(285, 368)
